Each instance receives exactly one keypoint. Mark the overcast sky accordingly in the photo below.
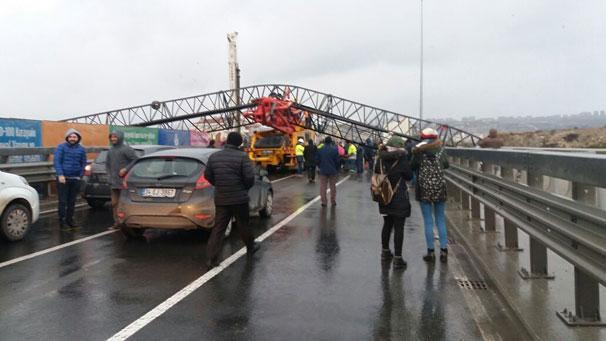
(60, 59)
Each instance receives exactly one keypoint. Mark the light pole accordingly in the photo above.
(421, 78)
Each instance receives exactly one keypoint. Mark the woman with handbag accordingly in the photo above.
(393, 170)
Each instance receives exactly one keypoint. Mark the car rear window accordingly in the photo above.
(270, 141)
(166, 167)
(102, 157)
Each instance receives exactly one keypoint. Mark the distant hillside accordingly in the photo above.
(565, 138)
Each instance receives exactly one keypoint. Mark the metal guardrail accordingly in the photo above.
(573, 228)
(33, 172)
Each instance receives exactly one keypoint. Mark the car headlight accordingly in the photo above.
(24, 180)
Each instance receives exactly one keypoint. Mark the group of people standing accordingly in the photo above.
(351, 157)
(425, 163)
(70, 161)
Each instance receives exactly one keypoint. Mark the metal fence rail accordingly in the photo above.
(34, 172)
(573, 228)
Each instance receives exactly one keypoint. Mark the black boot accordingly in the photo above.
(212, 263)
(73, 224)
(443, 255)
(250, 250)
(398, 262)
(430, 256)
(386, 255)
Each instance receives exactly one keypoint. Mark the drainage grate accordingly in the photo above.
(469, 284)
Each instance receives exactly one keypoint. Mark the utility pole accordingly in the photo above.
(421, 78)
(234, 75)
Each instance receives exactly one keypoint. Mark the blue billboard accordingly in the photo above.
(16, 133)
(170, 137)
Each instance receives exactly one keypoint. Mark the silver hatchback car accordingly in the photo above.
(167, 190)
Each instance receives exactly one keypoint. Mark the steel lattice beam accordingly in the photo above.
(329, 115)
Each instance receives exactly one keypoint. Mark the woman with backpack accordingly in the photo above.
(429, 161)
(391, 172)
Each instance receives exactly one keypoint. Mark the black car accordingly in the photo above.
(96, 188)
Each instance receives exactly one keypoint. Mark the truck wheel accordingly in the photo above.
(131, 233)
(15, 222)
(269, 206)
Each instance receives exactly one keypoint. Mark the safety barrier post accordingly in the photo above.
(490, 224)
(538, 251)
(511, 230)
(586, 287)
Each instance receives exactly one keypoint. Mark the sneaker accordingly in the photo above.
(323, 205)
(399, 263)
(430, 256)
(443, 255)
(386, 255)
(334, 203)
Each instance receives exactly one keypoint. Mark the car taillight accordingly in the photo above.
(88, 170)
(124, 182)
(202, 183)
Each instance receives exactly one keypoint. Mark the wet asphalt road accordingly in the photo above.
(319, 277)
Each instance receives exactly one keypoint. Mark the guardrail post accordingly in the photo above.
(453, 193)
(586, 287)
(511, 230)
(490, 223)
(538, 251)
(465, 202)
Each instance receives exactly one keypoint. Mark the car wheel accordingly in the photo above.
(269, 206)
(16, 221)
(131, 233)
(95, 203)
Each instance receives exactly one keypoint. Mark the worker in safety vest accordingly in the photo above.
(299, 151)
(352, 151)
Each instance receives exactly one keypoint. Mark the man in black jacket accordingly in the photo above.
(231, 172)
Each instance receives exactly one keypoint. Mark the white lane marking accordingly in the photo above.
(54, 210)
(163, 307)
(284, 178)
(58, 247)
(54, 248)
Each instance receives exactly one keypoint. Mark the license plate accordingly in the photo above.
(267, 152)
(158, 192)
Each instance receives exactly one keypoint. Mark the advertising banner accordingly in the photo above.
(170, 137)
(138, 135)
(93, 135)
(198, 138)
(17, 133)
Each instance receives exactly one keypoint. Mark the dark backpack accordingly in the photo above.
(431, 185)
(381, 189)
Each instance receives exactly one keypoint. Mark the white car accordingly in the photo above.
(19, 204)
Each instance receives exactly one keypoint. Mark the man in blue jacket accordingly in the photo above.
(69, 160)
(327, 159)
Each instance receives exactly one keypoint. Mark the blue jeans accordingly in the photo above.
(300, 165)
(438, 212)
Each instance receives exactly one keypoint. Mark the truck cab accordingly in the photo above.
(275, 150)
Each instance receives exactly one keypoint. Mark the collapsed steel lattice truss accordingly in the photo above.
(328, 115)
